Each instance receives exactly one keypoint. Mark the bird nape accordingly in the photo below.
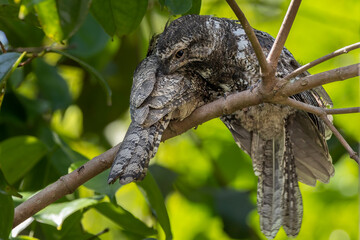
(198, 59)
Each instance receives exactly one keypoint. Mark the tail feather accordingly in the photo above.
(279, 198)
(267, 155)
(292, 200)
(138, 147)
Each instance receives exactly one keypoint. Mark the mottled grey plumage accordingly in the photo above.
(200, 58)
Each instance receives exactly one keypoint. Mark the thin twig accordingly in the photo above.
(322, 114)
(40, 49)
(342, 110)
(341, 139)
(98, 234)
(265, 68)
(285, 28)
(27, 61)
(2, 47)
(322, 59)
(312, 81)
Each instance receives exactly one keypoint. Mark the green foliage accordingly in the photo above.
(55, 116)
(8, 63)
(7, 215)
(153, 195)
(14, 150)
(119, 17)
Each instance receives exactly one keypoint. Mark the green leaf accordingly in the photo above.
(49, 19)
(61, 19)
(70, 229)
(11, 12)
(23, 237)
(119, 17)
(177, 7)
(8, 64)
(195, 8)
(124, 219)
(18, 155)
(153, 194)
(72, 14)
(52, 86)
(6, 216)
(55, 214)
(91, 70)
(98, 183)
(234, 215)
(90, 40)
(6, 188)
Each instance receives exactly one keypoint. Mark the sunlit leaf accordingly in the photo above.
(91, 70)
(6, 216)
(124, 219)
(61, 19)
(23, 237)
(18, 155)
(49, 19)
(55, 214)
(178, 6)
(119, 17)
(153, 194)
(8, 64)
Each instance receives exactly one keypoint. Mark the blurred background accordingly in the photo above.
(206, 180)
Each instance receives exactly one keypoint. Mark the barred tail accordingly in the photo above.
(279, 199)
(138, 147)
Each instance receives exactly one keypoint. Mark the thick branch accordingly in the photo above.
(322, 59)
(265, 68)
(220, 107)
(285, 28)
(65, 185)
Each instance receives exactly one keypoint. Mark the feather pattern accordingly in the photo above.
(198, 59)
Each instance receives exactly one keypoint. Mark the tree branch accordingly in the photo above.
(226, 105)
(265, 68)
(65, 185)
(285, 28)
(312, 81)
(342, 110)
(322, 59)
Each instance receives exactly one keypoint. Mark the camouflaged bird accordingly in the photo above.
(198, 59)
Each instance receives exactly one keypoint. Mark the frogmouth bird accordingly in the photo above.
(198, 59)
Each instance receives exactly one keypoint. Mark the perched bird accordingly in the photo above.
(198, 59)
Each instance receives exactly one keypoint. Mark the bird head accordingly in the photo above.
(194, 55)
